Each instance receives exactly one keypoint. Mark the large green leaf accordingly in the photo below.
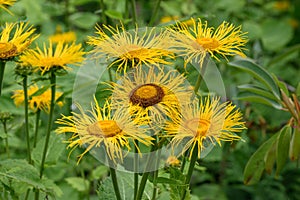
(295, 145)
(83, 20)
(257, 90)
(258, 72)
(283, 146)
(259, 99)
(78, 183)
(256, 164)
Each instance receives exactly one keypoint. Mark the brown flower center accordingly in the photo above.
(104, 128)
(147, 95)
(208, 43)
(198, 126)
(7, 50)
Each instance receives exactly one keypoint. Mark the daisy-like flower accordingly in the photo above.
(36, 102)
(53, 57)
(14, 39)
(66, 37)
(210, 122)
(5, 3)
(152, 92)
(112, 130)
(195, 42)
(127, 49)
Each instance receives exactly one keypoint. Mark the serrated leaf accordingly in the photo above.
(258, 72)
(295, 145)
(256, 164)
(259, 99)
(257, 90)
(113, 14)
(283, 146)
(20, 171)
(78, 183)
(55, 148)
(105, 190)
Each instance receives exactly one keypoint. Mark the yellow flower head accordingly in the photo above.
(66, 37)
(36, 101)
(195, 42)
(173, 161)
(126, 49)
(5, 3)
(210, 122)
(13, 40)
(102, 127)
(152, 93)
(282, 5)
(53, 57)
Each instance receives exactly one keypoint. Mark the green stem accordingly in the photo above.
(155, 175)
(126, 14)
(190, 170)
(6, 139)
(183, 161)
(110, 74)
(115, 183)
(37, 119)
(202, 72)
(53, 84)
(26, 118)
(2, 67)
(133, 8)
(103, 16)
(154, 15)
(145, 174)
(49, 127)
(27, 194)
(136, 174)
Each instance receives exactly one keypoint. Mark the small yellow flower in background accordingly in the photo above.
(53, 57)
(173, 161)
(167, 19)
(14, 39)
(195, 42)
(36, 102)
(5, 3)
(59, 36)
(282, 5)
(152, 92)
(112, 130)
(207, 123)
(128, 49)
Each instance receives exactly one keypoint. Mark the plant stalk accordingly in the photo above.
(190, 170)
(2, 67)
(115, 183)
(154, 15)
(133, 8)
(37, 119)
(26, 119)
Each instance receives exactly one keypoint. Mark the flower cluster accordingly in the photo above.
(151, 100)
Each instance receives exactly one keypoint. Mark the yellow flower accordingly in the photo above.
(282, 5)
(36, 102)
(195, 42)
(149, 46)
(102, 127)
(5, 3)
(167, 19)
(63, 37)
(207, 123)
(152, 93)
(173, 161)
(53, 57)
(14, 41)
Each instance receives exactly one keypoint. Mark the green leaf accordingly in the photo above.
(78, 183)
(169, 181)
(40, 91)
(259, 99)
(286, 53)
(281, 85)
(83, 20)
(271, 158)
(295, 145)
(114, 14)
(256, 164)
(55, 149)
(19, 171)
(257, 90)
(105, 190)
(99, 172)
(258, 72)
(283, 148)
(273, 36)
